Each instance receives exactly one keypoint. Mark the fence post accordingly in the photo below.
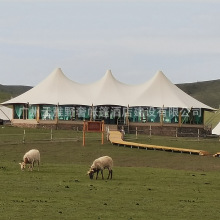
(198, 134)
(136, 132)
(51, 134)
(150, 130)
(176, 133)
(102, 131)
(24, 137)
(84, 130)
(107, 133)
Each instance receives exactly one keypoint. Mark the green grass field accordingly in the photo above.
(146, 184)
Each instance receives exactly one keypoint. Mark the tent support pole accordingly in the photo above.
(180, 117)
(56, 117)
(161, 116)
(38, 113)
(13, 111)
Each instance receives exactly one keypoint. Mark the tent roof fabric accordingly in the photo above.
(5, 113)
(216, 129)
(57, 89)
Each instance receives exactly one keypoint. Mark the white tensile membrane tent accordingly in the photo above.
(57, 89)
(159, 91)
(5, 113)
(216, 129)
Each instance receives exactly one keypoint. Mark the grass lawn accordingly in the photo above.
(146, 184)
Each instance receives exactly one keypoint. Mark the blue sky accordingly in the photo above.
(133, 38)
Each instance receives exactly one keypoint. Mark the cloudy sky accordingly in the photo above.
(133, 38)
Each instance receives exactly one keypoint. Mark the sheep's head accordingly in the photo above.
(22, 164)
(91, 173)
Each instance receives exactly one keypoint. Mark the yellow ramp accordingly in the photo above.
(115, 137)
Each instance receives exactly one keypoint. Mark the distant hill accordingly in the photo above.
(207, 92)
(8, 92)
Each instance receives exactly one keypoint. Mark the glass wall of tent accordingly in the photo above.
(26, 111)
(50, 112)
(166, 115)
(110, 114)
(18, 112)
(64, 112)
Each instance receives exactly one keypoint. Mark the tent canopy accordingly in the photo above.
(216, 129)
(57, 89)
(5, 113)
(161, 92)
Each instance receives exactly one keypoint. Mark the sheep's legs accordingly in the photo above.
(97, 174)
(31, 166)
(38, 163)
(110, 174)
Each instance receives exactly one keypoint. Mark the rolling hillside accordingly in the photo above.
(8, 92)
(207, 92)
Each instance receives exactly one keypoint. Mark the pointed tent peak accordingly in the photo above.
(160, 78)
(57, 71)
(108, 77)
(57, 75)
(55, 80)
(108, 74)
(159, 74)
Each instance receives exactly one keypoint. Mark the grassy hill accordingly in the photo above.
(8, 92)
(207, 92)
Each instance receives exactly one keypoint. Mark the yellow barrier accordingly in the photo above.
(115, 137)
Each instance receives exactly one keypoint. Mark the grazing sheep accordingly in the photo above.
(29, 158)
(100, 164)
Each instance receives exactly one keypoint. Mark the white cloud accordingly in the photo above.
(171, 45)
(138, 45)
(112, 1)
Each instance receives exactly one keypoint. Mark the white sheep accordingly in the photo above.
(31, 157)
(100, 164)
